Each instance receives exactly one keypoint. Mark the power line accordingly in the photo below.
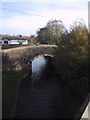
(12, 10)
(18, 11)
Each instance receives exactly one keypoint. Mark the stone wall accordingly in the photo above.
(20, 58)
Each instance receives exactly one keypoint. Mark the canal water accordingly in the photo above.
(43, 95)
(38, 68)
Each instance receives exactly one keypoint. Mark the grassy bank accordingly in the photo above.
(10, 81)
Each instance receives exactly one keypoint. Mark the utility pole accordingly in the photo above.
(89, 16)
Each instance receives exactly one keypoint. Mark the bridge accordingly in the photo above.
(21, 58)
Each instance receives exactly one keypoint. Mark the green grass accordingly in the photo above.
(10, 81)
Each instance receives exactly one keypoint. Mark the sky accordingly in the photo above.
(26, 17)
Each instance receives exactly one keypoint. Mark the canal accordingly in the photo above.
(43, 95)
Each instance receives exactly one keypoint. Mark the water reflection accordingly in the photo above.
(38, 67)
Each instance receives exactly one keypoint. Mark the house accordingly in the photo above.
(13, 41)
(5, 41)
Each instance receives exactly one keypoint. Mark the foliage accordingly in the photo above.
(51, 33)
(43, 36)
(55, 28)
(71, 58)
(33, 39)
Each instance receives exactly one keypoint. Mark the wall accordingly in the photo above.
(20, 58)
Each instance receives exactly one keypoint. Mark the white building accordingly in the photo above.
(5, 41)
(14, 41)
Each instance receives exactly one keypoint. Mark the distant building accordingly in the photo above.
(5, 41)
(13, 41)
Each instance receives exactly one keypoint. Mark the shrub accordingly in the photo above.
(71, 57)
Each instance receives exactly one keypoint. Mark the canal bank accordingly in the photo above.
(11, 81)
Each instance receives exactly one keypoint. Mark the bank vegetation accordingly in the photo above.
(71, 59)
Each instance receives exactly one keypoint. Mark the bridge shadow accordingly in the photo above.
(46, 98)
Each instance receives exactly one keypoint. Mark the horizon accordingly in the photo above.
(26, 17)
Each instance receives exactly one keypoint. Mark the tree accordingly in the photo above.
(51, 33)
(33, 39)
(43, 36)
(55, 28)
(71, 57)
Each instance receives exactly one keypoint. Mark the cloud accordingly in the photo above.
(24, 23)
(33, 20)
(72, 1)
(67, 15)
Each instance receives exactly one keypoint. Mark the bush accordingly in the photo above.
(71, 57)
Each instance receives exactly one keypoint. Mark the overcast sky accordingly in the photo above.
(27, 16)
